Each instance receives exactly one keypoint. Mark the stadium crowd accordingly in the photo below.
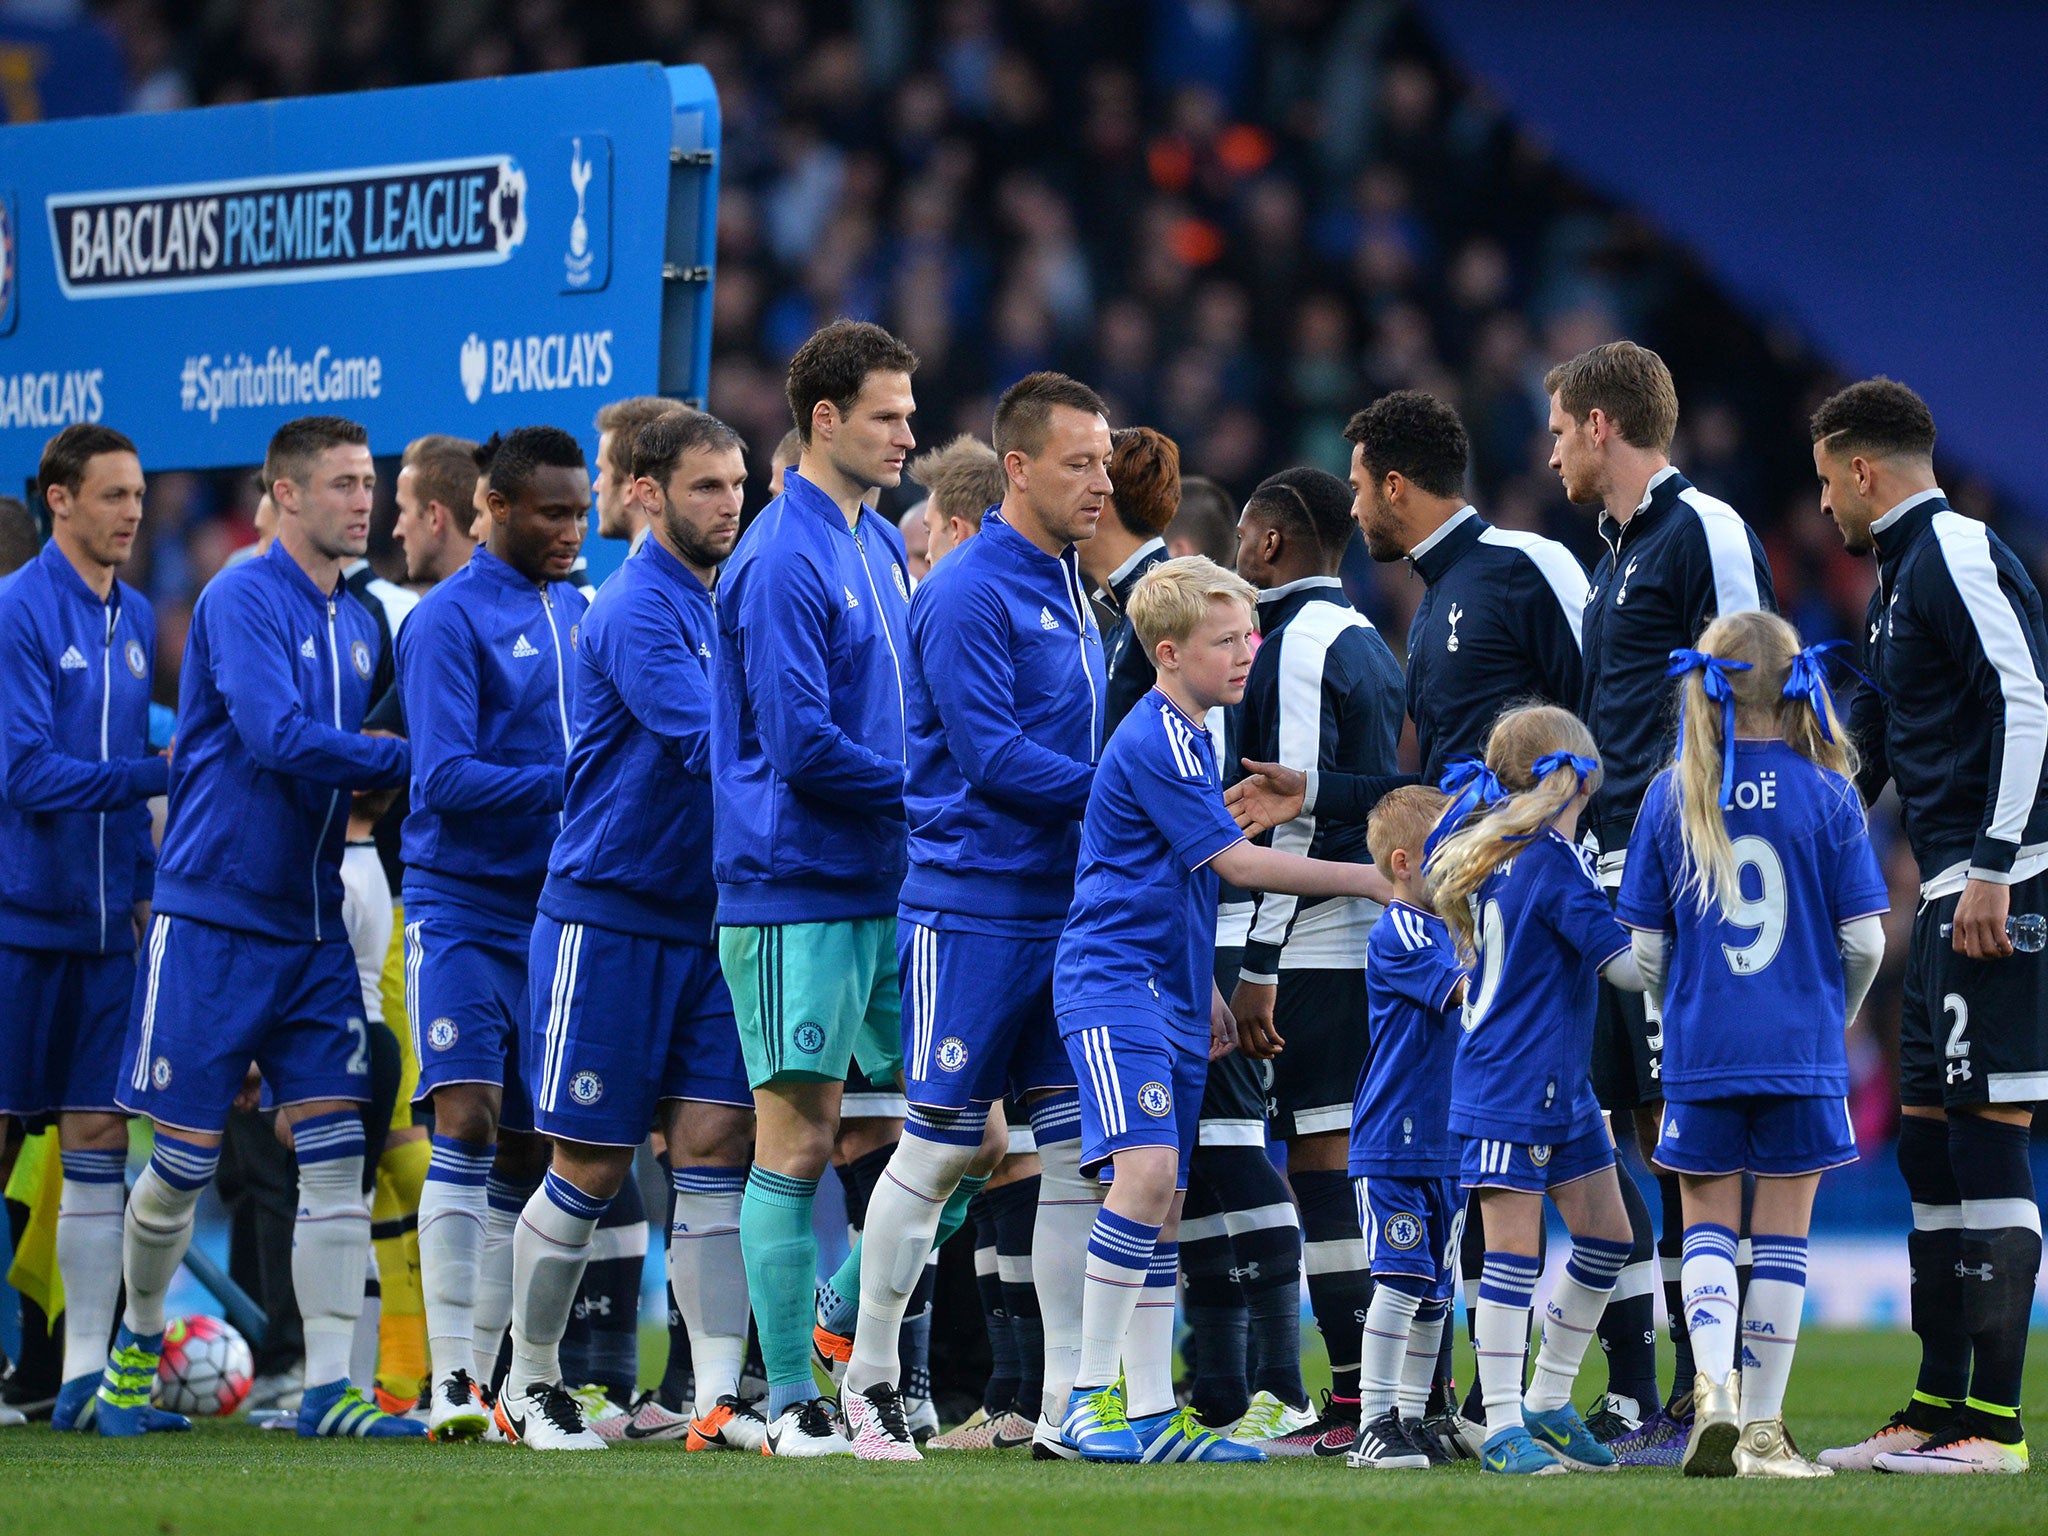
(1237, 255)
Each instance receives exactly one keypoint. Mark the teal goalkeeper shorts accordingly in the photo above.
(813, 998)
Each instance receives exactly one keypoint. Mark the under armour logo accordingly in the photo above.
(1621, 593)
(1454, 615)
(1974, 1271)
(1243, 1272)
(594, 1306)
(1959, 1070)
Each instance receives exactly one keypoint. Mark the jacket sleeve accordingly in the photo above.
(1551, 631)
(1985, 627)
(785, 663)
(666, 687)
(1725, 572)
(967, 665)
(1868, 716)
(437, 660)
(40, 776)
(252, 668)
(145, 853)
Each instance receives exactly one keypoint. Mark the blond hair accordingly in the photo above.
(1630, 384)
(965, 477)
(1404, 818)
(1174, 596)
(1769, 645)
(1469, 855)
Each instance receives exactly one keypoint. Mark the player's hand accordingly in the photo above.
(1979, 923)
(1269, 798)
(141, 918)
(1252, 1006)
(1222, 1027)
(373, 731)
(251, 1092)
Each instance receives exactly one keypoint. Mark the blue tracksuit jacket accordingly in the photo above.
(635, 854)
(487, 674)
(1006, 687)
(75, 765)
(276, 677)
(808, 727)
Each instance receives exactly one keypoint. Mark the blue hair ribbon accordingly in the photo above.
(1808, 679)
(1472, 786)
(1713, 672)
(1544, 767)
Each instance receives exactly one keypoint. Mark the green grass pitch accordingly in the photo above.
(223, 1481)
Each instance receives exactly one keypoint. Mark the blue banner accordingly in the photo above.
(461, 258)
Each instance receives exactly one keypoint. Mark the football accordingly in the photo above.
(206, 1368)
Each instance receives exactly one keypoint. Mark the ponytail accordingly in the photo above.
(1748, 673)
(1541, 757)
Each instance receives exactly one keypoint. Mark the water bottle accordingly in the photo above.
(2028, 932)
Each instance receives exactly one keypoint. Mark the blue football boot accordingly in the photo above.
(123, 1410)
(337, 1411)
(1513, 1452)
(1097, 1428)
(1178, 1435)
(1563, 1433)
(77, 1403)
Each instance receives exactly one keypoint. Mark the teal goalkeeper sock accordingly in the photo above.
(782, 1267)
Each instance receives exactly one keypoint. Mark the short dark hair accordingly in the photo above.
(836, 362)
(66, 455)
(445, 470)
(1628, 383)
(1207, 519)
(1415, 435)
(1024, 414)
(20, 537)
(659, 446)
(295, 446)
(1878, 416)
(1313, 500)
(526, 449)
(1144, 468)
(486, 454)
(623, 419)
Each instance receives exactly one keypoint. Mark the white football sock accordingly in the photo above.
(1707, 1281)
(1770, 1323)
(1418, 1375)
(1570, 1317)
(1500, 1334)
(1148, 1348)
(1119, 1260)
(89, 1255)
(502, 1204)
(549, 1253)
(158, 1227)
(363, 1348)
(330, 1240)
(903, 1218)
(453, 1212)
(1389, 1322)
(708, 1276)
(1067, 1203)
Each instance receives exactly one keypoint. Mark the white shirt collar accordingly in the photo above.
(1656, 480)
(1287, 589)
(1138, 556)
(633, 544)
(1902, 509)
(1445, 527)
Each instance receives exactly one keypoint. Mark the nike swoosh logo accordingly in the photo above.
(518, 1427)
(1324, 1448)
(1498, 1463)
(1010, 1442)
(635, 1432)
